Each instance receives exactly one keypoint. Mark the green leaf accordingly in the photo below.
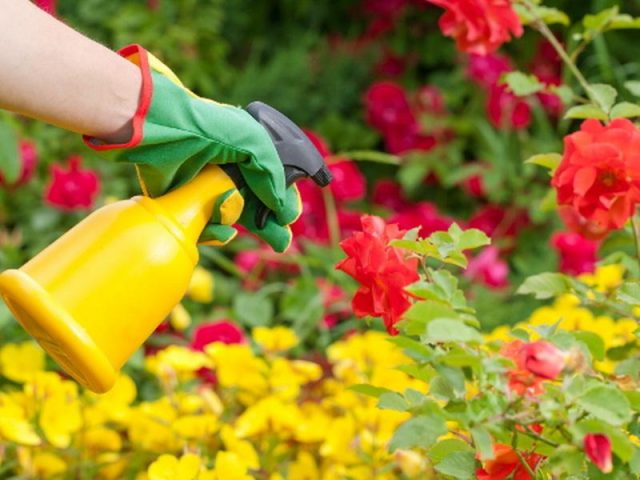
(629, 293)
(599, 21)
(633, 86)
(603, 95)
(551, 15)
(392, 401)
(421, 313)
(546, 160)
(448, 330)
(586, 111)
(634, 399)
(593, 342)
(369, 390)
(472, 238)
(522, 84)
(421, 431)
(9, 152)
(624, 22)
(460, 465)
(545, 285)
(483, 442)
(606, 403)
(253, 309)
(625, 110)
(412, 347)
(565, 93)
(446, 447)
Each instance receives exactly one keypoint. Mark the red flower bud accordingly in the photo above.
(598, 448)
(73, 188)
(221, 331)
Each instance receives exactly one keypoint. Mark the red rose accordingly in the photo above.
(506, 464)
(348, 181)
(577, 253)
(479, 26)
(534, 363)
(220, 331)
(497, 222)
(388, 107)
(486, 70)
(598, 448)
(488, 268)
(382, 271)
(391, 65)
(406, 139)
(507, 111)
(28, 162)
(599, 176)
(74, 188)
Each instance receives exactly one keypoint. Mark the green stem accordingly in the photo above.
(332, 217)
(542, 27)
(514, 445)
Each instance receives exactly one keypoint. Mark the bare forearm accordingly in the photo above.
(51, 72)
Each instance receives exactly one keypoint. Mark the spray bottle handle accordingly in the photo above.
(300, 158)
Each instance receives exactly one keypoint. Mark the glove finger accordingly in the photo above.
(279, 237)
(228, 207)
(217, 235)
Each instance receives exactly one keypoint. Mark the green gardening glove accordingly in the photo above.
(177, 133)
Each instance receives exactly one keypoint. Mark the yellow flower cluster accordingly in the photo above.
(268, 416)
(569, 315)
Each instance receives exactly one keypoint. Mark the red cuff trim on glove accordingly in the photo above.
(138, 55)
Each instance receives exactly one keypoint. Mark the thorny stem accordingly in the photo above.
(542, 27)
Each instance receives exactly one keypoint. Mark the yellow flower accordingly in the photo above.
(113, 406)
(274, 340)
(176, 363)
(201, 286)
(241, 448)
(19, 362)
(411, 463)
(150, 426)
(304, 468)
(60, 418)
(112, 466)
(14, 426)
(269, 415)
(47, 465)
(605, 277)
(180, 318)
(237, 366)
(168, 467)
(100, 439)
(195, 427)
(229, 466)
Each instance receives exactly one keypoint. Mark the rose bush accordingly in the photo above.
(482, 318)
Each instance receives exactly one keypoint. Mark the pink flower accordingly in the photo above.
(597, 446)
(222, 331)
(28, 163)
(577, 253)
(507, 111)
(479, 26)
(348, 181)
(542, 359)
(486, 70)
(73, 188)
(488, 268)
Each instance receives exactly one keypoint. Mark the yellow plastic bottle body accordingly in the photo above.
(96, 294)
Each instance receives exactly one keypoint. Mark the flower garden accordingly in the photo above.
(463, 300)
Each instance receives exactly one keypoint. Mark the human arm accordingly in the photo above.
(81, 85)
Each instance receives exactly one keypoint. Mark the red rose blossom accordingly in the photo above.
(599, 176)
(424, 215)
(597, 447)
(479, 26)
(577, 253)
(534, 363)
(73, 188)
(28, 163)
(498, 222)
(222, 331)
(389, 194)
(506, 464)
(382, 271)
(387, 106)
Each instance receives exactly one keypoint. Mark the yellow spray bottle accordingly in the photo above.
(97, 293)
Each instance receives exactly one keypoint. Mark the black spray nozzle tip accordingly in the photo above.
(322, 177)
